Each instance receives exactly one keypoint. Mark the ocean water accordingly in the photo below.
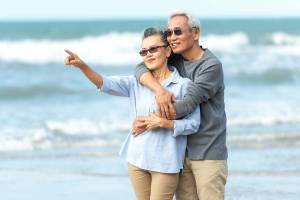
(56, 128)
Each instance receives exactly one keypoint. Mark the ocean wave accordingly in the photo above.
(79, 127)
(230, 43)
(63, 134)
(272, 75)
(14, 92)
(108, 49)
(73, 133)
(261, 139)
(120, 49)
(265, 118)
(30, 143)
(281, 38)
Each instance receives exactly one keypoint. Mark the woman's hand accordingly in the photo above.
(139, 126)
(154, 121)
(73, 59)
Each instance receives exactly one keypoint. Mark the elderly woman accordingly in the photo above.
(156, 156)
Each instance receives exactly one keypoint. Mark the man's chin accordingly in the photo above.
(176, 50)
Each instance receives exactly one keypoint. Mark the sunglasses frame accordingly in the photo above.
(153, 49)
(176, 31)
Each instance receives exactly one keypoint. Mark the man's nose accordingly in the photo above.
(173, 37)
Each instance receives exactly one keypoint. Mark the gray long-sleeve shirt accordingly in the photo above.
(207, 89)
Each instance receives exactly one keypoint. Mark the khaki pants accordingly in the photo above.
(149, 185)
(202, 180)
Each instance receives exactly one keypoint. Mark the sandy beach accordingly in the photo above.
(261, 174)
(26, 185)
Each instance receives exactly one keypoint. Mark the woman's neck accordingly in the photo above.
(161, 74)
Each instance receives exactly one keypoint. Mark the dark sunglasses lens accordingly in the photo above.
(153, 49)
(177, 31)
(143, 52)
(168, 33)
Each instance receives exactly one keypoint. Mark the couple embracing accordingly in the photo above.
(177, 145)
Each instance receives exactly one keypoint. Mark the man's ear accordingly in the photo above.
(197, 33)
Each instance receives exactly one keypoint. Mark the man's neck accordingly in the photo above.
(195, 53)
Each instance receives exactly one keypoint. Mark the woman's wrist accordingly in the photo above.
(165, 123)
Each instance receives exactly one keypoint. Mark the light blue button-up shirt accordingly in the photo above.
(160, 150)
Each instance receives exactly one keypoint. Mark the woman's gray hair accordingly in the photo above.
(193, 21)
(155, 31)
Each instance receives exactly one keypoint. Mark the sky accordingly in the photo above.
(99, 9)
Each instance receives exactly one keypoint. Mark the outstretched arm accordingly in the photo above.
(74, 60)
(113, 85)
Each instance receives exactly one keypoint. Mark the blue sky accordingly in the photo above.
(98, 9)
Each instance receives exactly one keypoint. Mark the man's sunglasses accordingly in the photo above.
(177, 31)
(153, 49)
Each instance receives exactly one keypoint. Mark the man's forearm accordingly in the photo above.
(149, 81)
(184, 107)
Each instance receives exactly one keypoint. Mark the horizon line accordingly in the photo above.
(136, 18)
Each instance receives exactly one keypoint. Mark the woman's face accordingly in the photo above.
(154, 52)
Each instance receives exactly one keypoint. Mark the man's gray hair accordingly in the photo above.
(193, 21)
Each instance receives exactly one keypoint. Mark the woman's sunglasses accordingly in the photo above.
(153, 49)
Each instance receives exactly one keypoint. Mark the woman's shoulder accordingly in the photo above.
(180, 80)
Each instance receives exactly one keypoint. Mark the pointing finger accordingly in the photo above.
(69, 52)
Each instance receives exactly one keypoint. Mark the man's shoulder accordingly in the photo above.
(210, 58)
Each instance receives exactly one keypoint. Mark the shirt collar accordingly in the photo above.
(173, 78)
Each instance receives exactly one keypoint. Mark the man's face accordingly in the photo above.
(181, 36)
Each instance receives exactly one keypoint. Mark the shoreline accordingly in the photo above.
(28, 185)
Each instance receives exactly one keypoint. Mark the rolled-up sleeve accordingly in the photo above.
(188, 125)
(191, 122)
(117, 85)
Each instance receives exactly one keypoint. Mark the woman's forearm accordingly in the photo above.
(166, 123)
(93, 76)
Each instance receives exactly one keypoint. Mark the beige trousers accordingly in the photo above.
(202, 180)
(150, 185)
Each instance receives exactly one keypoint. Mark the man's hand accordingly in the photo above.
(165, 108)
(139, 126)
